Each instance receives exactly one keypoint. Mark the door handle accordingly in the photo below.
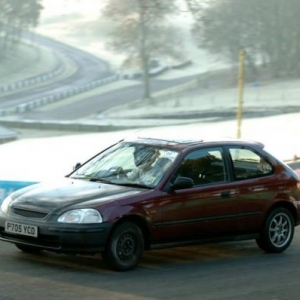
(225, 194)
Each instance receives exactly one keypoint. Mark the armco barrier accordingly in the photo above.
(57, 70)
(25, 107)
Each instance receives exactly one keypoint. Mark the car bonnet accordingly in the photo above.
(48, 197)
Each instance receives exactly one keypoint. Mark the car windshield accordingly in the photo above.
(129, 164)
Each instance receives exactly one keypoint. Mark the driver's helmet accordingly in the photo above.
(144, 154)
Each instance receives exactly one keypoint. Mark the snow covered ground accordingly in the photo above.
(35, 159)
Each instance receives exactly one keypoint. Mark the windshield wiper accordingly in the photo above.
(100, 179)
(138, 185)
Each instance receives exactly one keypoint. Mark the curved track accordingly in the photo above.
(99, 103)
(88, 69)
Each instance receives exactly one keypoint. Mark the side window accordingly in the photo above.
(203, 166)
(248, 164)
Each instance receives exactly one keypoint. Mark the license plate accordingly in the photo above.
(21, 229)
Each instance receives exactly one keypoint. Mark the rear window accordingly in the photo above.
(248, 164)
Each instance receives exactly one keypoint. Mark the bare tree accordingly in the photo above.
(143, 32)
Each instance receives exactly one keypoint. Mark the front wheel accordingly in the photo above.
(125, 247)
(278, 231)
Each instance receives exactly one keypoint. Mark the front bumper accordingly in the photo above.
(60, 237)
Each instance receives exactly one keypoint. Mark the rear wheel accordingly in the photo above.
(28, 249)
(278, 231)
(125, 247)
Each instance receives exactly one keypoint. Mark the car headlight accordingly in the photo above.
(81, 216)
(5, 204)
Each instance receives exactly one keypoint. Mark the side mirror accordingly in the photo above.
(183, 183)
(77, 166)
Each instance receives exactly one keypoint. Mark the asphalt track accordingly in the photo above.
(100, 103)
(88, 69)
(225, 271)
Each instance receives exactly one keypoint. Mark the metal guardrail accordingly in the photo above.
(25, 107)
(13, 86)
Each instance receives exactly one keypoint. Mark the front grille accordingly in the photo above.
(29, 213)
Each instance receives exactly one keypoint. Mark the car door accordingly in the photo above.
(255, 186)
(207, 209)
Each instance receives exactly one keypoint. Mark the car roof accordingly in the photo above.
(186, 141)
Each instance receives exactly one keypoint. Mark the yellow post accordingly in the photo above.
(239, 112)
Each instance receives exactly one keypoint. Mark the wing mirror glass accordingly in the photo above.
(183, 183)
(78, 165)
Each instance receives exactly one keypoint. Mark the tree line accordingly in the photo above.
(268, 31)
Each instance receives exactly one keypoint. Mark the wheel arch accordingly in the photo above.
(140, 222)
(284, 204)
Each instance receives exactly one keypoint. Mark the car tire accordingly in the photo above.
(125, 247)
(29, 249)
(278, 231)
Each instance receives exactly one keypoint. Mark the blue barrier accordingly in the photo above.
(7, 187)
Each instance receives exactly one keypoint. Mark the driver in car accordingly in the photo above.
(144, 159)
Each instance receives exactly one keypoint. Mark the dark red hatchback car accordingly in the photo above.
(145, 193)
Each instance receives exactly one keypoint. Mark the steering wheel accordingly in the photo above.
(118, 172)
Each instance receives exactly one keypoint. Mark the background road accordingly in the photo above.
(100, 103)
(235, 270)
(88, 69)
